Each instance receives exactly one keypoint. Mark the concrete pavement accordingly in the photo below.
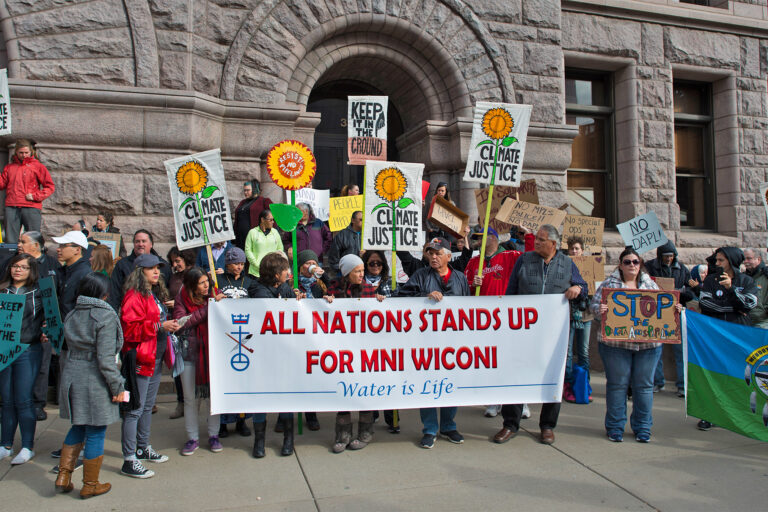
(681, 469)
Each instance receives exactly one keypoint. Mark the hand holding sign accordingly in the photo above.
(11, 314)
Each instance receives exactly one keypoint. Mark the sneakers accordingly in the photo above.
(526, 412)
(56, 454)
(427, 442)
(643, 437)
(4, 452)
(136, 469)
(680, 392)
(453, 436)
(78, 465)
(22, 457)
(214, 444)
(657, 388)
(393, 429)
(190, 447)
(40, 414)
(703, 425)
(492, 411)
(616, 437)
(568, 395)
(150, 455)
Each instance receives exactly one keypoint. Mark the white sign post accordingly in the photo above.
(643, 233)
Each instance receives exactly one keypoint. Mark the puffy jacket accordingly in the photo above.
(346, 241)
(313, 235)
(426, 280)
(27, 177)
(676, 270)
(730, 304)
(140, 320)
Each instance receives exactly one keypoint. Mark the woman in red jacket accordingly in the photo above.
(143, 316)
(26, 182)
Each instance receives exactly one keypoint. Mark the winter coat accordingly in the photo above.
(140, 320)
(362, 291)
(32, 320)
(90, 377)
(121, 271)
(258, 244)
(730, 304)
(426, 280)
(346, 241)
(49, 267)
(676, 270)
(411, 264)
(71, 275)
(284, 291)
(315, 235)
(28, 177)
(759, 314)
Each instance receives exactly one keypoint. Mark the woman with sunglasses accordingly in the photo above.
(627, 363)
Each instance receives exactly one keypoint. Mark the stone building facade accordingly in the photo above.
(111, 88)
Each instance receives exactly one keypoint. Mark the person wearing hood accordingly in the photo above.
(755, 268)
(311, 233)
(142, 244)
(666, 265)
(27, 183)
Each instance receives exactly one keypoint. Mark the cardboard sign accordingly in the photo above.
(497, 148)
(590, 229)
(111, 240)
(366, 128)
(592, 270)
(527, 191)
(199, 199)
(5, 104)
(54, 328)
(643, 233)
(392, 203)
(447, 217)
(641, 315)
(341, 210)
(319, 200)
(532, 216)
(665, 283)
(11, 314)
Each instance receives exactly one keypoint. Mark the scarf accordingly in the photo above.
(202, 374)
(372, 280)
(305, 283)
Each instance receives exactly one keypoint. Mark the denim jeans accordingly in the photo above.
(16, 384)
(658, 377)
(621, 366)
(137, 424)
(91, 435)
(429, 419)
(578, 342)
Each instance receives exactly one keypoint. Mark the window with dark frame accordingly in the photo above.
(589, 105)
(694, 170)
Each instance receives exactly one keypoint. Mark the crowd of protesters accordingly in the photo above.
(147, 309)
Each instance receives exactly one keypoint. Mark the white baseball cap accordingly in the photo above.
(72, 237)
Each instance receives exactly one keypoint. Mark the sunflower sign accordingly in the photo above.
(498, 143)
(392, 214)
(199, 197)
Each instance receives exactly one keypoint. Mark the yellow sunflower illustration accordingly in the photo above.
(497, 123)
(291, 165)
(390, 184)
(191, 178)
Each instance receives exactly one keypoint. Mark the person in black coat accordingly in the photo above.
(142, 244)
(71, 251)
(346, 241)
(726, 293)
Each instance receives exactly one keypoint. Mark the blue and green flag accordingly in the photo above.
(727, 374)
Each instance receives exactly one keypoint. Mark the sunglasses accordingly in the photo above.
(375, 264)
(631, 262)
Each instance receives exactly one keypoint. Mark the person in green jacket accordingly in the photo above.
(756, 269)
(262, 240)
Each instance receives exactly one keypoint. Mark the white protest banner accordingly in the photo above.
(275, 355)
(5, 104)
(643, 233)
(199, 199)
(366, 128)
(319, 200)
(499, 132)
(392, 202)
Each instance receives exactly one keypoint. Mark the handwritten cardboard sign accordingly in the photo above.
(447, 217)
(665, 283)
(590, 229)
(643, 233)
(641, 315)
(11, 314)
(527, 191)
(341, 210)
(532, 216)
(317, 199)
(111, 240)
(54, 328)
(592, 270)
(366, 128)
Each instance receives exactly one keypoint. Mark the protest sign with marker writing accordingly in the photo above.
(590, 229)
(532, 216)
(643, 233)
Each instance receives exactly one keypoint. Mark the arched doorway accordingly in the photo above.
(330, 100)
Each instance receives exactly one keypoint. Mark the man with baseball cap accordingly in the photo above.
(497, 266)
(435, 281)
(71, 254)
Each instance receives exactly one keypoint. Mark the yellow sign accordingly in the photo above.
(342, 209)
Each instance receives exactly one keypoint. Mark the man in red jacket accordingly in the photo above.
(497, 267)
(27, 183)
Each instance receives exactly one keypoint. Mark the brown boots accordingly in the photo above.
(91, 485)
(69, 454)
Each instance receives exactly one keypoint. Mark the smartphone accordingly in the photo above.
(719, 271)
(127, 396)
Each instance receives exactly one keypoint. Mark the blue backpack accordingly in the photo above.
(581, 388)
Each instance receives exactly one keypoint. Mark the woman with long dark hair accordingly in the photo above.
(18, 379)
(105, 223)
(248, 210)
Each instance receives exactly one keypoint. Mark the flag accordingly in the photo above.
(727, 374)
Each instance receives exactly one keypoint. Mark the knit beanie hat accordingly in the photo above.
(348, 263)
(234, 255)
(306, 255)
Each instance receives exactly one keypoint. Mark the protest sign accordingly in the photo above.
(590, 229)
(275, 355)
(392, 204)
(341, 210)
(592, 270)
(447, 217)
(319, 200)
(527, 191)
(366, 128)
(532, 216)
(199, 199)
(5, 104)
(641, 315)
(11, 314)
(665, 283)
(497, 148)
(643, 233)
(111, 240)
(53, 328)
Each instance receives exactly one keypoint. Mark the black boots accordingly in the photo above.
(259, 431)
(287, 437)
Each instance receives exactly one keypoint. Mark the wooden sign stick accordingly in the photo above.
(211, 265)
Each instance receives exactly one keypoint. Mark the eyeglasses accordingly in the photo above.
(19, 267)
(631, 262)
(375, 264)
